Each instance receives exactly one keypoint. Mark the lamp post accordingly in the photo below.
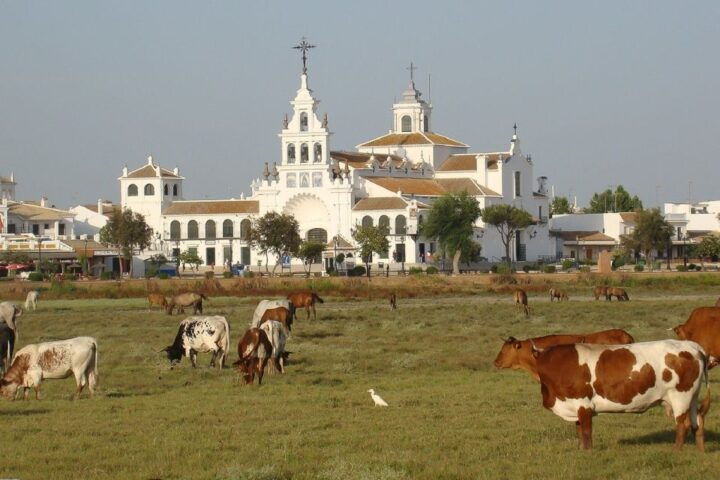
(87, 262)
(39, 242)
(402, 257)
(685, 253)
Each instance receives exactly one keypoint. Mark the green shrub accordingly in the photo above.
(504, 269)
(151, 272)
(357, 271)
(618, 262)
(550, 269)
(71, 276)
(691, 266)
(415, 271)
(567, 264)
(585, 269)
(35, 277)
(698, 268)
(226, 274)
(249, 274)
(209, 275)
(494, 269)
(681, 268)
(639, 268)
(432, 270)
(165, 276)
(526, 268)
(106, 276)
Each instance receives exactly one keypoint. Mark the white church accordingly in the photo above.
(390, 180)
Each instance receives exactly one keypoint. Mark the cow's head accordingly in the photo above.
(286, 357)
(509, 356)
(246, 367)
(680, 332)
(8, 389)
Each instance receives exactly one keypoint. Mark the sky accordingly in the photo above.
(603, 93)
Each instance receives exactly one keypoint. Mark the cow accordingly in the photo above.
(9, 313)
(521, 300)
(279, 314)
(200, 334)
(393, 301)
(51, 360)
(703, 327)
(265, 305)
(7, 346)
(277, 335)
(581, 380)
(559, 294)
(517, 354)
(31, 300)
(183, 300)
(305, 300)
(616, 292)
(254, 351)
(600, 291)
(157, 299)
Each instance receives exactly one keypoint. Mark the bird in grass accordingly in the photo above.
(379, 402)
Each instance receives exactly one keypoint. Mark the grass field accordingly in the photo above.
(451, 415)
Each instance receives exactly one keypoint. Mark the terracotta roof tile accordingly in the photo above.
(414, 138)
(381, 203)
(628, 216)
(361, 160)
(209, 207)
(108, 210)
(457, 185)
(461, 162)
(149, 171)
(583, 235)
(431, 187)
(35, 212)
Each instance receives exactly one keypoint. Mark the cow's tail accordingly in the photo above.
(226, 346)
(94, 377)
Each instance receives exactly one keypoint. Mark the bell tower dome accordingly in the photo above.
(412, 113)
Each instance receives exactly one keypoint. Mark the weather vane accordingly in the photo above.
(304, 46)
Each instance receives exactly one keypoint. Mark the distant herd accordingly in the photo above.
(581, 375)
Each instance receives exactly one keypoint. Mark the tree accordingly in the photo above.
(276, 234)
(618, 201)
(371, 239)
(560, 206)
(651, 231)
(708, 247)
(128, 232)
(451, 221)
(156, 261)
(191, 258)
(310, 252)
(506, 219)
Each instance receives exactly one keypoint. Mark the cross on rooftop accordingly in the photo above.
(304, 46)
(412, 69)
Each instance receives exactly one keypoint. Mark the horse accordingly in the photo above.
(305, 300)
(520, 299)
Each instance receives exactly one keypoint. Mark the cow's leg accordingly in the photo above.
(585, 419)
(26, 392)
(307, 310)
(212, 360)
(683, 425)
(37, 391)
(260, 365)
(314, 312)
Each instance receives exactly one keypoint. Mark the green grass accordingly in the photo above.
(451, 415)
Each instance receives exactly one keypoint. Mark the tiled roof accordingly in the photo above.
(36, 212)
(342, 244)
(583, 235)
(80, 246)
(381, 203)
(431, 187)
(209, 207)
(414, 138)
(108, 209)
(457, 185)
(461, 162)
(149, 171)
(628, 216)
(361, 160)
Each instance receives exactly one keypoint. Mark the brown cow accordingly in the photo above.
(517, 354)
(393, 301)
(599, 291)
(157, 299)
(559, 294)
(281, 314)
(254, 350)
(305, 300)
(183, 300)
(703, 327)
(616, 292)
(520, 299)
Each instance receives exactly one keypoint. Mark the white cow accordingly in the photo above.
(277, 335)
(200, 334)
(51, 360)
(267, 305)
(9, 312)
(31, 300)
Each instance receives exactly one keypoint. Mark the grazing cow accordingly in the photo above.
(31, 300)
(616, 292)
(51, 360)
(9, 312)
(307, 301)
(280, 314)
(265, 305)
(254, 350)
(157, 299)
(599, 291)
(521, 300)
(7, 346)
(559, 294)
(183, 300)
(703, 327)
(581, 380)
(200, 335)
(517, 354)
(276, 334)
(717, 302)
(393, 301)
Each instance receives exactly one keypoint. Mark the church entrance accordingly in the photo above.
(210, 256)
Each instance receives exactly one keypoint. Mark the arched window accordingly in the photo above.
(384, 222)
(304, 153)
(210, 229)
(245, 230)
(303, 122)
(228, 228)
(149, 190)
(317, 235)
(174, 230)
(175, 190)
(317, 179)
(317, 153)
(400, 225)
(132, 190)
(367, 221)
(291, 153)
(406, 123)
(193, 230)
(291, 181)
(426, 124)
(167, 190)
(304, 180)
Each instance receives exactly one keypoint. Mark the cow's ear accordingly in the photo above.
(517, 345)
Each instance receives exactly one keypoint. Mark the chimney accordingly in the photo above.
(176, 171)
(43, 201)
(100, 206)
(12, 176)
(125, 171)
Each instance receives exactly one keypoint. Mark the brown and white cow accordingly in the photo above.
(254, 350)
(518, 354)
(581, 380)
(703, 327)
(51, 360)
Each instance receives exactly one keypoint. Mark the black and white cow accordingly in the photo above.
(7, 346)
(200, 335)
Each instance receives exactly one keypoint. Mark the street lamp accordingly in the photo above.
(87, 262)
(685, 253)
(402, 257)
